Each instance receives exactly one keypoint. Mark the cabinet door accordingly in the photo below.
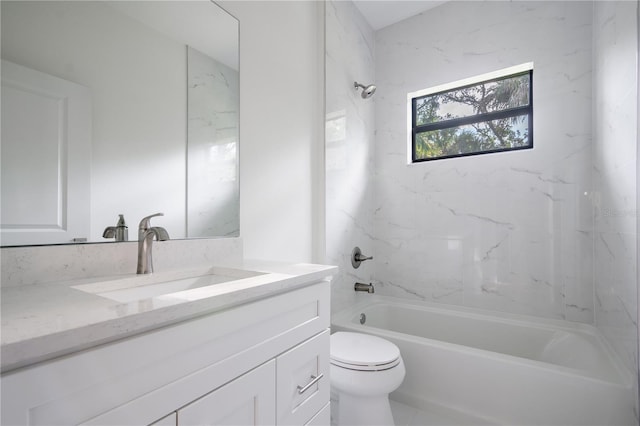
(170, 420)
(248, 400)
(323, 418)
(303, 380)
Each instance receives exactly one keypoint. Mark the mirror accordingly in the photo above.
(113, 108)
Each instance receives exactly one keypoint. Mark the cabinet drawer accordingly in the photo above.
(303, 380)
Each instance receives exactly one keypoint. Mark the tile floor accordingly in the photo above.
(404, 415)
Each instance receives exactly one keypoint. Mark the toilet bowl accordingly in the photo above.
(364, 370)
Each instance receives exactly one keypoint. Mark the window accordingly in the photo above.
(494, 113)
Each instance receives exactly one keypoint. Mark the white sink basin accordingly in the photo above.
(140, 287)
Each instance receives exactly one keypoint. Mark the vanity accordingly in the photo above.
(214, 345)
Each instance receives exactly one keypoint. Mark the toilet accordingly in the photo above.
(364, 370)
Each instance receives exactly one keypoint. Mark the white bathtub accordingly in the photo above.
(499, 368)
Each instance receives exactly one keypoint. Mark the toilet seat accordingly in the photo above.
(363, 352)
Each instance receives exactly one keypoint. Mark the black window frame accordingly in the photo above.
(472, 119)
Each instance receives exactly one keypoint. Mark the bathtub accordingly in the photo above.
(495, 368)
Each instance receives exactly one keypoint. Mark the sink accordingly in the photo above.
(138, 287)
(160, 289)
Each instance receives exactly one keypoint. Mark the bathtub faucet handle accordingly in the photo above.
(357, 257)
(364, 287)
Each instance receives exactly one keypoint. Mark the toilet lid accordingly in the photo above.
(364, 352)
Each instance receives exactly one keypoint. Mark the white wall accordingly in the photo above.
(506, 231)
(350, 133)
(280, 127)
(614, 174)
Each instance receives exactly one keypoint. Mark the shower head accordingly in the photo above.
(367, 91)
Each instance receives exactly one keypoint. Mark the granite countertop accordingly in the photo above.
(43, 321)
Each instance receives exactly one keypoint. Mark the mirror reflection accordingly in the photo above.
(118, 108)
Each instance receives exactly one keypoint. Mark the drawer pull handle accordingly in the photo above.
(314, 380)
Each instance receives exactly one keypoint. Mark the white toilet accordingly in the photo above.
(364, 370)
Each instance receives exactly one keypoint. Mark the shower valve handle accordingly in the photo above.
(362, 258)
(357, 257)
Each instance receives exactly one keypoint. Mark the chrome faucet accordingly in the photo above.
(119, 232)
(145, 240)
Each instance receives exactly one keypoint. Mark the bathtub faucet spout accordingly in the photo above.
(364, 287)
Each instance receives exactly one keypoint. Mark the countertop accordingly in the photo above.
(44, 321)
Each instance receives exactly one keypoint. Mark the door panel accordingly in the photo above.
(247, 400)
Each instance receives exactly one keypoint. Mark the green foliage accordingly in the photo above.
(483, 98)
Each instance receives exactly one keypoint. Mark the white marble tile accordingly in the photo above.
(402, 413)
(406, 415)
(578, 297)
(614, 175)
(494, 231)
(349, 147)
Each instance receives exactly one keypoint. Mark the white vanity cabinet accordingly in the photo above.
(265, 362)
(283, 391)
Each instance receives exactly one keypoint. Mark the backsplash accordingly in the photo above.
(42, 264)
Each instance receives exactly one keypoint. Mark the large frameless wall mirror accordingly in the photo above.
(118, 108)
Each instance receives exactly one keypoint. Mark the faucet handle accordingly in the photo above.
(357, 257)
(144, 223)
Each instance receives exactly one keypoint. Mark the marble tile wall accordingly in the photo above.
(507, 231)
(614, 174)
(350, 133)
